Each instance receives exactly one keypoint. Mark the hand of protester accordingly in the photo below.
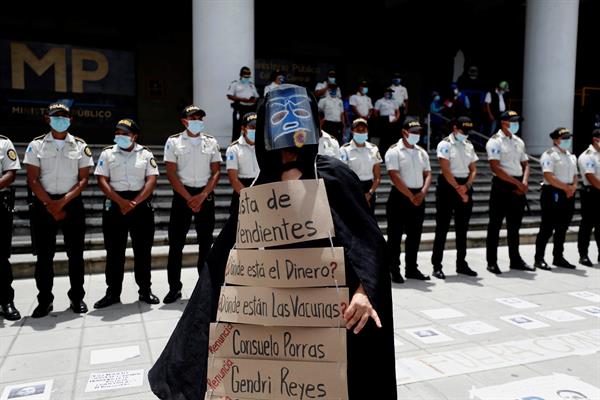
(418, 198)
(359, 311)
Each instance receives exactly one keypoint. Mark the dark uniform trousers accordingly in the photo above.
(366, 186)
(139, 223)
(504, 202)
(179, 225)
(7, 293)
(239, 110)
(590, 219)
(403, 217)
(389, 133)
(557, 212)
(45, 228)
(235, 197)
(447, 203)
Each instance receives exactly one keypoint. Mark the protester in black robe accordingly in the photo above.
(180, 372)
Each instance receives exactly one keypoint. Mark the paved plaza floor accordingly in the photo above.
(454, 339)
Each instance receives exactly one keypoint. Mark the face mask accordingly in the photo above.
(123, 141)
(413, 138)
(364, 90)
(60, 124)
(251, 134)
(281, 79)
(455, 91)
(331, 80)
(460, 137)
(513, 127)
(195, 126)
(245, 80)
(565, 144)
(396, 81)
(332, 93)
(387, 95)
(360, 138)
(436, 98)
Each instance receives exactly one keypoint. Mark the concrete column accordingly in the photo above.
(223, 42)
(549, 69)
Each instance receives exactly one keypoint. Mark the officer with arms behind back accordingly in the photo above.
(58, 168)
(589, 167)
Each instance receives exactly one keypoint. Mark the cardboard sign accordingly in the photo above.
(283, 307)
(282, 213)
(262, 379)
(287, 267)
(277, 343)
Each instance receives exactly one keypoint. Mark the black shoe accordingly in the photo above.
(586, 261)
(79, 307)
(438, 273)
(9, 312)
(414, 273)
(172, 296)
(106, 301)
(42, 310)
(149, 298)
(561, 262)
(397, 277)
(493, 268)
(541, 264)
(522, 266)
(465, 270)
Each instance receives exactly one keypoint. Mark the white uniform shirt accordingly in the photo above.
(270, 87)
(126, 170)
(362, 103)
(410, 163)
(386, 107)
(400, 94)
(243, 90)
(9, 160)
(501, 104)
(241, 156)
(361, 159)
(589, 163)
(460, 155)
(329, 146)
(59, 169)
(562, 165)
(324, 84)
(509, 151)
(332, 107)
(193, 158)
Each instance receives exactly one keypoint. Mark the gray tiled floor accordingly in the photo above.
(58, 347)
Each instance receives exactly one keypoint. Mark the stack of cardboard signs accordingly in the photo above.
(280, 332)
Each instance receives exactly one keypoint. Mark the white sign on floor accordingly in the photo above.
(594, 311)
(443, 313)
(560, 316)
(516, 302)
(589, 296)
(114, 380)
(474, 327)
(552, 387)
(429, 335)
(28, 391)
(117, 354)
(523, 321)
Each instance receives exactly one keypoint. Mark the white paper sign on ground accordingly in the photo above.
(516, 302)
(474, 327)
(589, 296)
(594, 311)
(560, 315)
(443, 313)
(99, 381)
(117, 354)
(523, 321)
(552, 387)
(428, 335)
(40, 390)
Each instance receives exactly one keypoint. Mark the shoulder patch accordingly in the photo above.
(11, 154)
(153, 162)
(87, 151)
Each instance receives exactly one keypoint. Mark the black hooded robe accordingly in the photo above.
(180, 372)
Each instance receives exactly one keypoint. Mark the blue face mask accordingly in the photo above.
(396, 81)
(60, 124)
(413, 138)
(333, 93)
(245, 80)
(460, 137)
(565, 144)
(281, 79)
(123, 141)
(436, 98)
(251, 134)
(195, 126)
(364, 90)
(513, 127)
(360, 138)
(331, 80)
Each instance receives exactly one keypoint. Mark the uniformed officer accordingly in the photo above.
(510, 166)
(127, 174)
(387, 113)
(329, 84)
(9, 164)
(242, 166)
(277, 79)
(410, 172)
(58, 167)
(243, 95)
(364, 159)
(454, 195)
(589, 167)
(328, 145)
(193, 159)
(558, 198)
(335, 116)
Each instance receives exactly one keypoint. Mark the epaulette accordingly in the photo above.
(467, 141)
(108, 147)
(209, 136)
(346, 145)
(39, 137)
(175, 135)
(498, 135)
(447, 139)
(587, 152)
(79, 139)
(3, 137)
(392, 146)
